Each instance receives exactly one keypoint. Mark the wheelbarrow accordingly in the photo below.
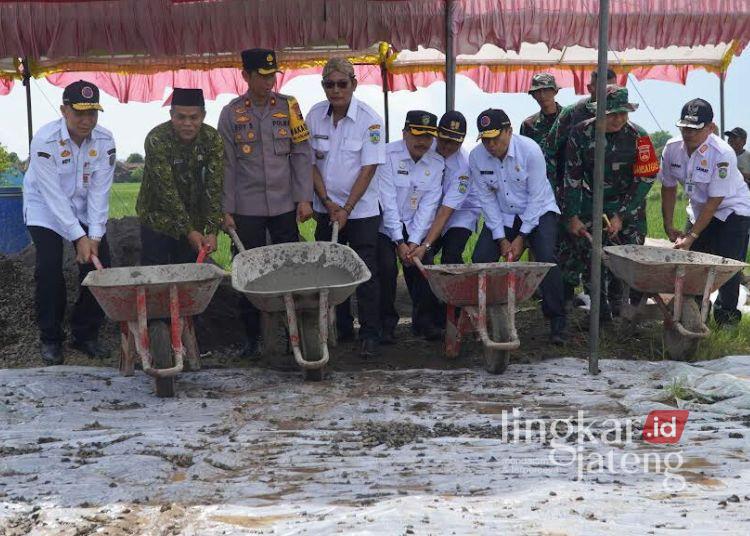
(134, 295)
(655, 272)
(487, 294)
(305, 280)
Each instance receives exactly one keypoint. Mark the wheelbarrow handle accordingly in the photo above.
(96, 262)
(236, 239)
(335, 232)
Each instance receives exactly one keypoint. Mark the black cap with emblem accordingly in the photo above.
(452, 126)
(262, 60)
(81, 96)
(188, 97)
(696, 113)
(419, 122)
(491, 122)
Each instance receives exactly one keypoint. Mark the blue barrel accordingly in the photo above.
(13, 234)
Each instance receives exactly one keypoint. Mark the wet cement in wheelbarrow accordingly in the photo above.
(293, 277)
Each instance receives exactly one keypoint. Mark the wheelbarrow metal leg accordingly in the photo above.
(294, 337)
(706, 302)
(679, 285)
(139, 329)
(192, 354)
(127, 355)
(452, 333)
(480, 322)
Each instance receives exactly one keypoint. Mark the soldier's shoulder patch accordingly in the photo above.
(723, 168)
(42, 154)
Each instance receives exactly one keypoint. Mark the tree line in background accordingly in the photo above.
(131, 170)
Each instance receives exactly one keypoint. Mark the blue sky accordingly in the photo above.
(131, 122)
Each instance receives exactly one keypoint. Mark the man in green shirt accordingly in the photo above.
(179, 204)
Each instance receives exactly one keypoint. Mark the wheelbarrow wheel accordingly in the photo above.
(496, 361)
(308, 328)
(677, 345)
(161, 354)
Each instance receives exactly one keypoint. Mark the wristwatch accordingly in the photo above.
(427, 246)
(694, 235)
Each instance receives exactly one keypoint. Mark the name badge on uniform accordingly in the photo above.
(402, 172)
(414, 199)
(320, 137)
(486, 172)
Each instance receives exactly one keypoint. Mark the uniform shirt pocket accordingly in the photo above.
(352, 145)
(282, 141)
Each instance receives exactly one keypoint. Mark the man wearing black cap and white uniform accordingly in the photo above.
(268, 183)
(706, 166)
(459, 209)
(519, 207)
(410, 184)
(348, 145)
(736, 138)
(66, 197)
(179, 203)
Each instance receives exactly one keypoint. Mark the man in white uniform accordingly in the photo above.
(410, 184)
(519, 207)
(66, 197)
(706, 166)
(348, 146)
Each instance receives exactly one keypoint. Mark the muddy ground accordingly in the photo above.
(220, 331)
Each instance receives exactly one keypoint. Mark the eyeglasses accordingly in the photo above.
(330, 84)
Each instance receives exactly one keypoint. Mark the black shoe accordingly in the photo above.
(388, 337)
(251, 349)
(91, 348)
(52, 353)
(369, 349)
(432, 333)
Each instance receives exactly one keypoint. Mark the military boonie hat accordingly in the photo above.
(491, 122)
(452, 126)
(696, 113)
(419, 122)
(617, 101)
(262, 60)
(542, 81)
(737, 132)
(82, 95)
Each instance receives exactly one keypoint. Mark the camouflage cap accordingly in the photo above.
(617, 101)
(542, 81)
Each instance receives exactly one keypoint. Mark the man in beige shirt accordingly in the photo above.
(268, 182)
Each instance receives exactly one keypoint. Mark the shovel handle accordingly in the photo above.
(97, 263)
(236, 239)
(202, 254)
(335, 232)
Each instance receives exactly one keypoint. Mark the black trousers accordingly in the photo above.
(362, 236)
(424, 302)
(452, 244)
(252, 233)
(543, 244)
(50, 294)
(727, 239)
(158, 248)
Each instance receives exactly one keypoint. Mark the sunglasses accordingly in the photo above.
(330, 84)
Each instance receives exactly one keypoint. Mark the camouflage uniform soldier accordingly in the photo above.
(629, 172)
(543, 89)
(179, 204)
(268, 182)
(555, 143)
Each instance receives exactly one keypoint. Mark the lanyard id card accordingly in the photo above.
(414, 199)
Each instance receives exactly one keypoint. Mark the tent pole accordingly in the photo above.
(384, 77)
(27, 83)
(598, 202)
(722, 75)
(450, 59)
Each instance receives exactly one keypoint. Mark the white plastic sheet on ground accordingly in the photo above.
(253, 451)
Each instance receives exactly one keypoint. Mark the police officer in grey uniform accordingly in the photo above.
(268, 182)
